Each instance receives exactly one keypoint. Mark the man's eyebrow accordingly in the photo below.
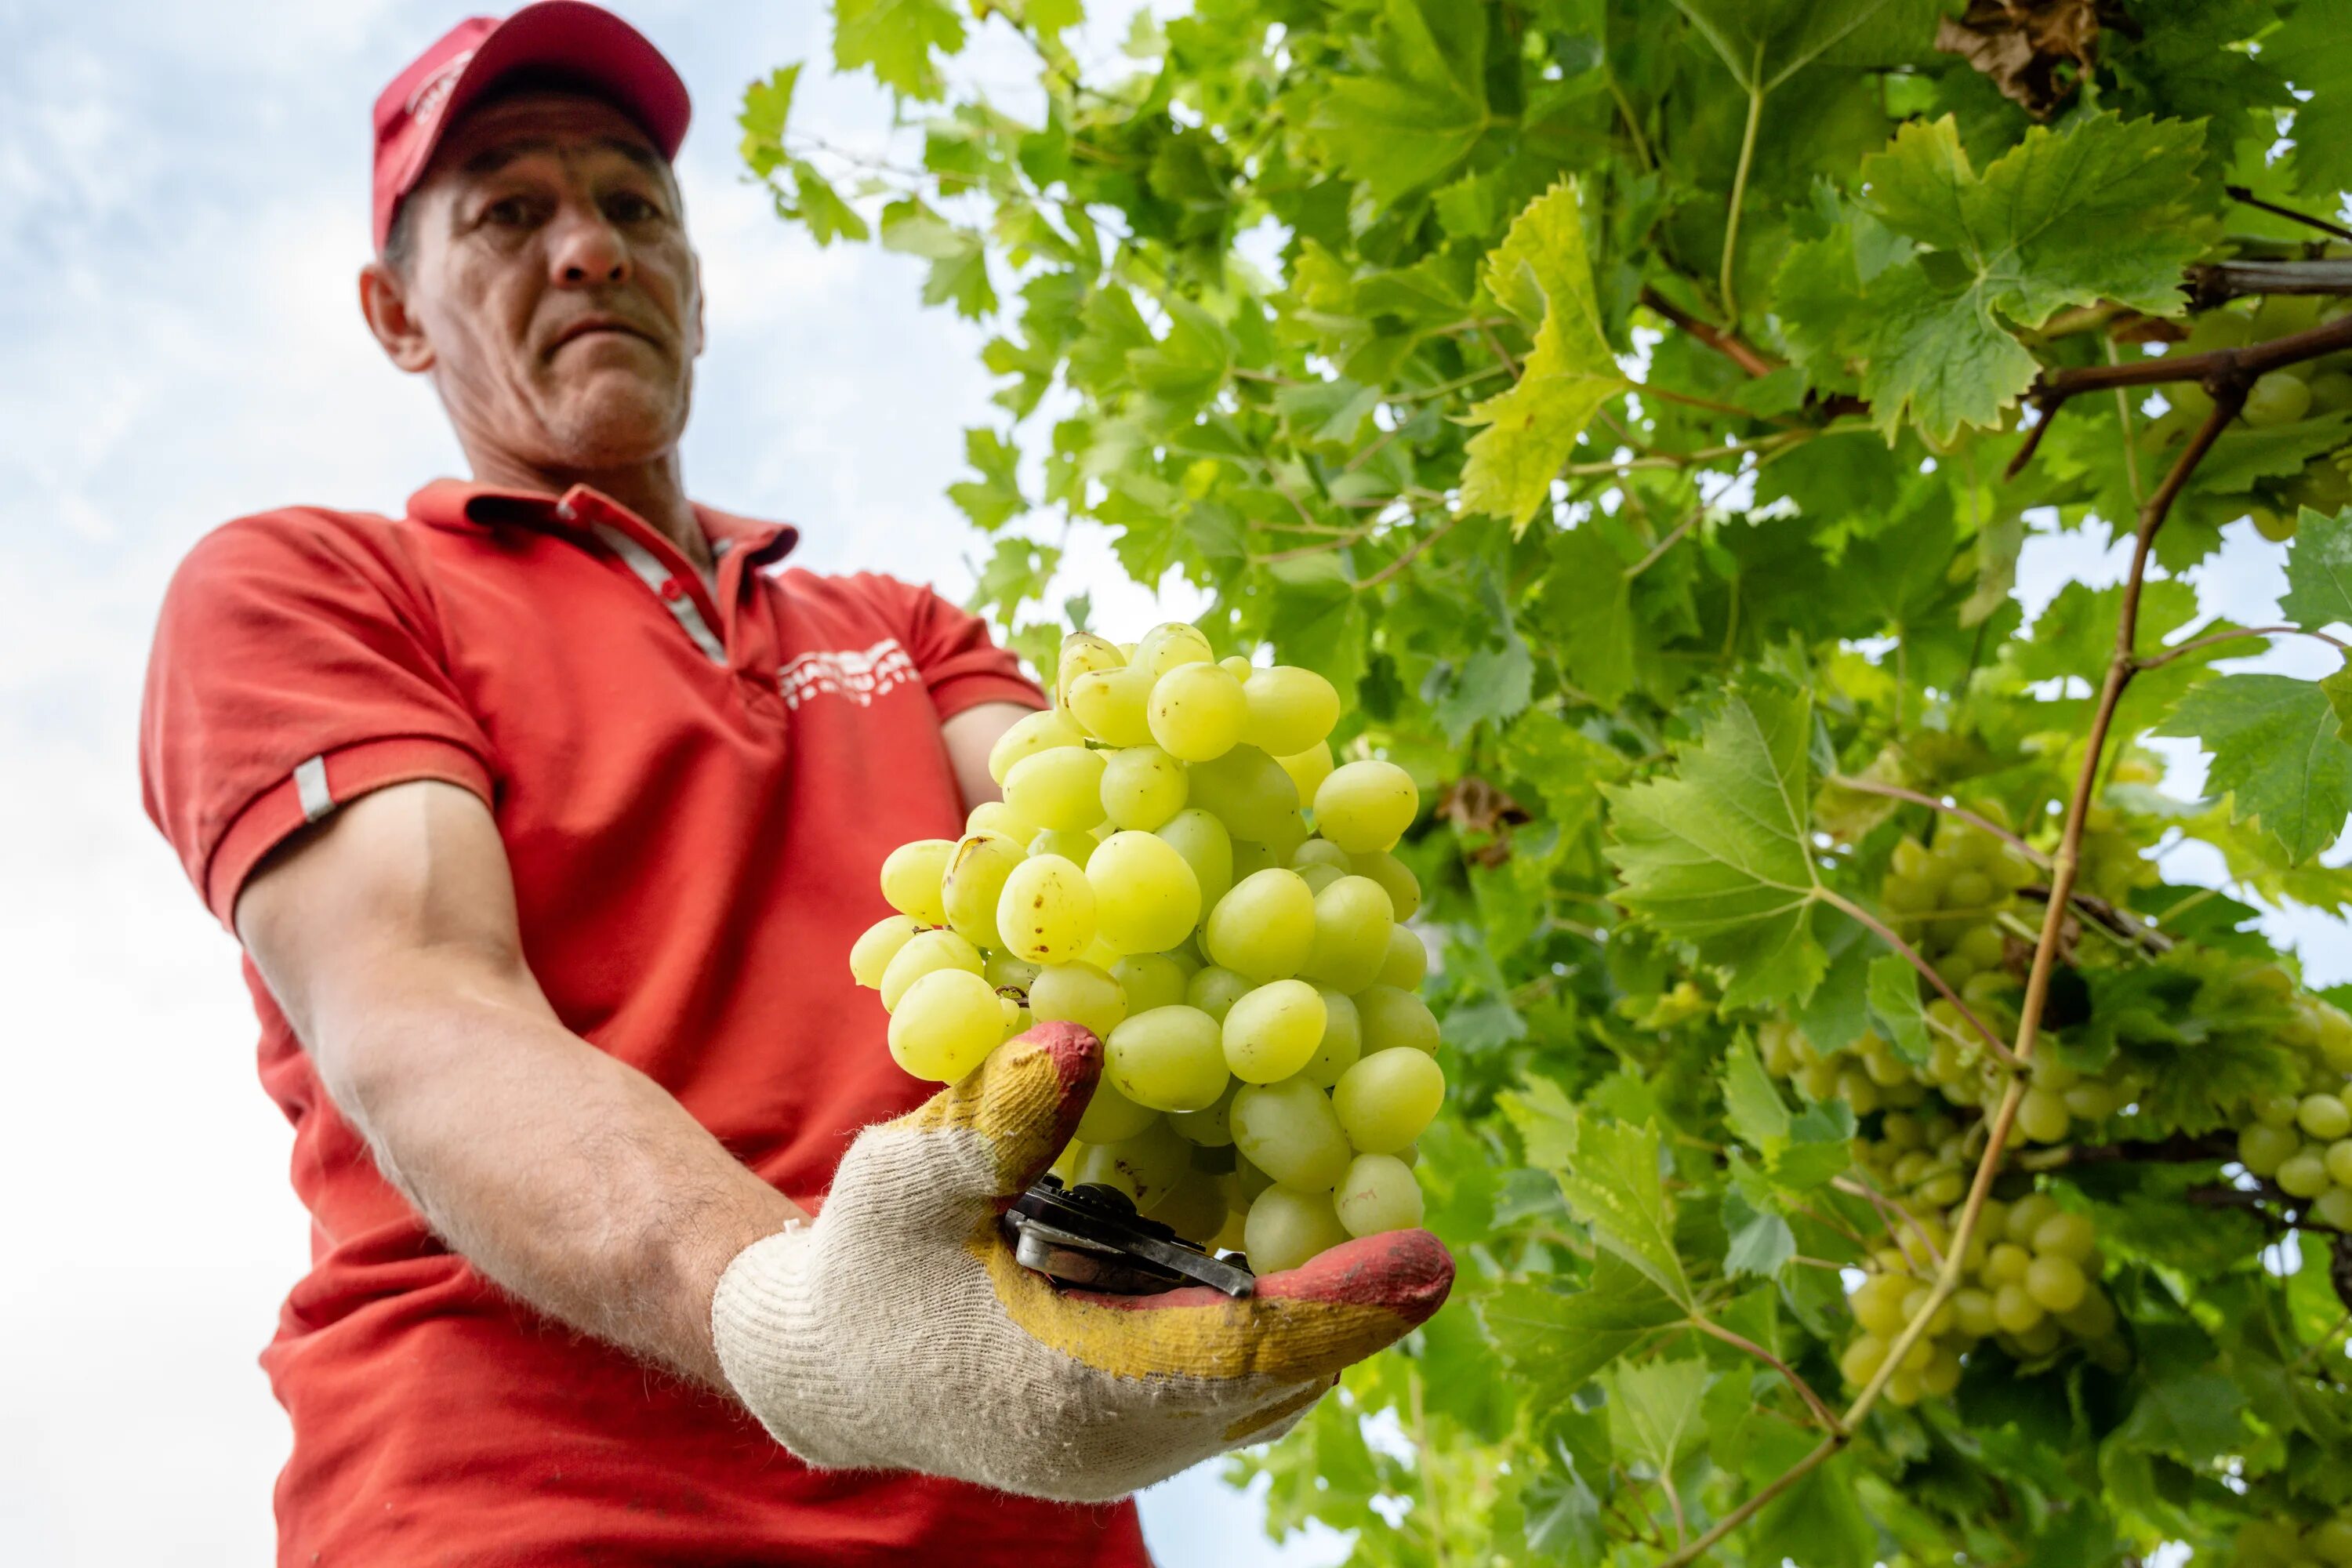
(490, 160)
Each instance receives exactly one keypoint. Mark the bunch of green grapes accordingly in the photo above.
(2030, 1284)
(1151, 876)
(2288, 1544)
(2310, 390)
(2301, 1140)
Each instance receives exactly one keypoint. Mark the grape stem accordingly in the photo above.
(2228, 387)
(1885, 933)
(1887, 1206)
(2230, 370)
(2108, 917)
(1804, 1391)
(2192, 645)
(2245, 197)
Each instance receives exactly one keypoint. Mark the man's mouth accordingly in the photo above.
(600, 326)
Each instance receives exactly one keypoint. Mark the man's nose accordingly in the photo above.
(586, 249)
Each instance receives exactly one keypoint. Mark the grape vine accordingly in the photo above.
(1640, 416)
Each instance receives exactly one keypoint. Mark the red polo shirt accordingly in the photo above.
(695, 786)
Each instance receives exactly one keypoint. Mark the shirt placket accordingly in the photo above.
(656, 562)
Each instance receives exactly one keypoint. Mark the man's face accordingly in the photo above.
(550, 290)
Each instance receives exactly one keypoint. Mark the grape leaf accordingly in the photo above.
(1425, 108)
(2316, 49)
(1533, 427)
(1590, 604)
(2066, 217)
(994, 498)
(894, 38)
(2192, 1415)
(1763, 43)
(1761, 1241)
(1613, 1186)
(1717, 854)
(2338, 688)
(958, 256)
(1546, 1120)
(1653, 1409)
(2319, 572)
(1818, 1522)
(2277, 750)
(1558, 1340)
(1895, 1003)
(1752, 1107)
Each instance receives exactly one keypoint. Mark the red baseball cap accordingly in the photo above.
(585, 42)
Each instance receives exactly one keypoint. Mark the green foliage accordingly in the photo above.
(1614, 400)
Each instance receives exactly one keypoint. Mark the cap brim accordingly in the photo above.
(584, 43)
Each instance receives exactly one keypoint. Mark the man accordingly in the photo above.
(546, 816)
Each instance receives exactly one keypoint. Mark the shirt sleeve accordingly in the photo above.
(293, 670)
(961, 664)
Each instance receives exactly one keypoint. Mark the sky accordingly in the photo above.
(182, 209)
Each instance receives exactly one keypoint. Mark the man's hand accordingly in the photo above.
(896, 1332)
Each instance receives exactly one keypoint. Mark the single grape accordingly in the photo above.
(1236, 666)
(2338, 1161)
(1083, 653)
(910, 878)
(1145, 1167)
(2055, 1283)
(2334, 1208)
(1111, 704)
(923, 953)
(1249, 793)
(1250, 857)
(1150, 980)
(1271, 1032)
(945, 1024)
(1394, 1018)
(871, 953)
(1007, 973)
(2278, 527)
(1169, 1059)
(1077, 993)
(1378, 1193)
(1364, 807)
(1016, 1016)
(1111, 1117)
(1197, 711)
(1195, 1208)
(1061, 788)
(1353, 918)
(1142, 787)
(1972, 1312)
(2043, 1116)
(995, 816)
(1320, 852)
(1385, 1101)
(2015, 1310)
(1289, 1130)
(1286, 1227)
(2093, 1316)
(2303, 1174)
(1406, 964)
(1342, 1044)
(1038, 732)
(2006, 1264)
(1212, 1128)
(1290, 709)
(1877, 1303)
(2065, 1236)
(2277, 398)
(1214, 990)
(974, 884)
(2262, 1149)
(1169, 645)
(1077, 849)
(1942, 1374)
(1265, 928)
(1394, 877)
(2324, 1117)
(1320, 876)
(1146, 897)
(1046, 912)
(2277, 1109)
(1206, 846)
(1289, 832)
(1308, 769)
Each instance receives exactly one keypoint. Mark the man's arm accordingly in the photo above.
(971, 735)
(570, 1178)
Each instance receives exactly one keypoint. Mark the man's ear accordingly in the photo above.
(383, 300)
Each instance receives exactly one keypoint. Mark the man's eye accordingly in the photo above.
(508, 211)
(630, 207)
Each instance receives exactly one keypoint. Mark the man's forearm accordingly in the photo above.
(566, 1176)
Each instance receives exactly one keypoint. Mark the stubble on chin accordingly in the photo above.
(612, 421)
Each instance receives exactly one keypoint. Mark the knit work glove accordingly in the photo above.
(896, 1331)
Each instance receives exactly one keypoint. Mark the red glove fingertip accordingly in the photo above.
(1408, 1272)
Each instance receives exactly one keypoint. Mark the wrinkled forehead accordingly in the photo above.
(516, 122)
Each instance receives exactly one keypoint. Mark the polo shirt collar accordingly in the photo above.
(461, 507)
